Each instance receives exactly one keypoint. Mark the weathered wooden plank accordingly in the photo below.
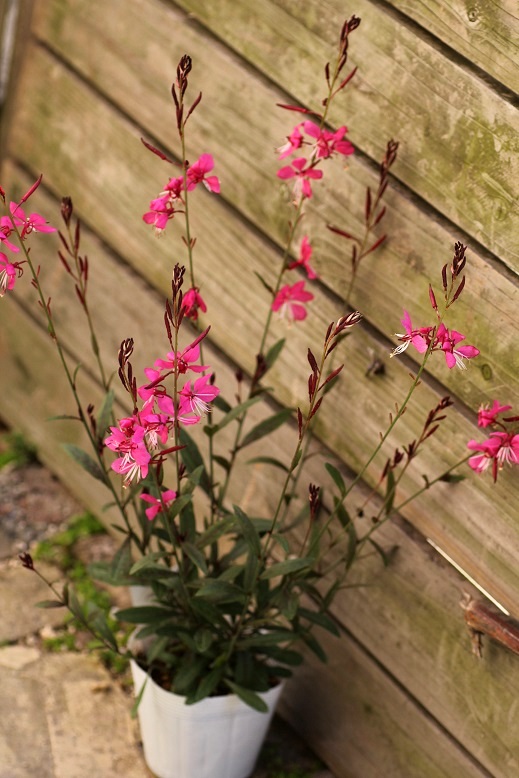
(409, 617)
(485, 33)
(460, 137)
(107, 196)
(243, 149)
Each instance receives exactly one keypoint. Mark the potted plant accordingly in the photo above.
(230, 595)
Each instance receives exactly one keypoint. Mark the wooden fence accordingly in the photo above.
(402, 693)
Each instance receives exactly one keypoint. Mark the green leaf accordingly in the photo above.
(122, 560)
(213, 533)
(233, 414)
(50, 604)
(274, 352)
(337, 477)
(192, 458)
(203, 639)
(143, 614)
(314, 646)
(266, 426)
(105, 414)
(148, 561)
(390, 493)
(135, 706)
(249, 697)
(223, 462)
(206, 686)
(271, 638)
(386, 556)
(195, 555)
(86, 461)
(287, 567)
(321, 619)
(248, 531)
(221, 404)
(268, 461)
(217, 591)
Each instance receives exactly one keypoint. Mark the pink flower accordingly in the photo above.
(303, 173)
(182, 361)
(154, 392)
(9, 272)
(294, 142)
(6, 229)
(305, 254)
(159, 215)
(128, 439)
(158, 505)
(448, 341)
(420, 338)
(289, 300)
(499, 449)
(326, 142)
(488, 416)
(192, 302)
(195, 397)
(32, 223)
(196, 174)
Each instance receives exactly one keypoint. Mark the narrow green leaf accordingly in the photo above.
(234, 413)
(217, 591)
(104, 415)
(223, 462)
(390, 493)
(192, 458)
(248, 531)
(287, 567)
(337, 477)
(268, 461)
(135, 706)
(266, 426)
(143, 614)
(274, 352)
(195, 555)
(50, 604)
(249, 697)
(321, 619)
(86, 461)
(148, 561)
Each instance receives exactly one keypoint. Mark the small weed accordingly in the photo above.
(15, 450)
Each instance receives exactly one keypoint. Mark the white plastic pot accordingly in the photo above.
(219, 737)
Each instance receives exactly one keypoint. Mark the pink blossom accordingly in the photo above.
(157, 426)
(326, 142)
(420, 338)
(32, 223)
(289, 301)
(192, 302)
(294, 142)
(447, 341)
(158, 505)
(128, 439)
(9, 272)
(499, 449)
(159, 216)
(303, 173)
(154, 392)
(182, 361)
(305, 254)
(195, 396)
(488, 416)
(6, 230)
(196, 174)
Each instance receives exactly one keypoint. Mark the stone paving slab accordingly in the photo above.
(20, 590)
(64, 717)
